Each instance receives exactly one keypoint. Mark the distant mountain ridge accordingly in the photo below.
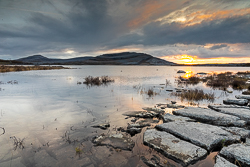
(125, 58)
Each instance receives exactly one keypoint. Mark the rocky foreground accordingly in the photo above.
(190, 134)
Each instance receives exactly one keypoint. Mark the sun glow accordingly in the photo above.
(188, 59)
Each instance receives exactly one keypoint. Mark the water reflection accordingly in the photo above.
(45, 105)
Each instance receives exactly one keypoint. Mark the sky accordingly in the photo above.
(181, 31)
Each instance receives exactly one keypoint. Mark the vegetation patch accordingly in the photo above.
(5, 68)
(195, 95)
(220, 80)
(103, 80)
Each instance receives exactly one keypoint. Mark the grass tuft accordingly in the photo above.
(195, 95)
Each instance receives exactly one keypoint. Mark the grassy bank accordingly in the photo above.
(5, 68)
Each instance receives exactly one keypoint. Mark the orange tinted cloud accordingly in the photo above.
(187, 59)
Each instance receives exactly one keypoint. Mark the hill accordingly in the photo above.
(125, 58)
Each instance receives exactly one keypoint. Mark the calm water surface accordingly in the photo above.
(46, 106)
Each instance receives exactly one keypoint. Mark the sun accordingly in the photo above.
(186, 59)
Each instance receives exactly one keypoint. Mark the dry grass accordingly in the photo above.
(220, 80)
(97, 80)
(5, 68)
(195, 95)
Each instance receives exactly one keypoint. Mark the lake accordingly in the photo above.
(43, 109)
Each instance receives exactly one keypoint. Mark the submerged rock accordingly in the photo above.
(203, 135)
(102, 126)
(141, 114)
(172, 118)
(247, 97)
(241, 112)
(238, 152)
(172, 147)
(240, 102)
(222, 162)
(117, 141)
(155, 162)
(210, 116)
(181, 71)
(133, 131)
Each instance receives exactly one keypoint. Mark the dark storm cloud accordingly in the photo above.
(217, 47)
(84, 26)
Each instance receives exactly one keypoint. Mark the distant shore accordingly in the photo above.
(14, 68)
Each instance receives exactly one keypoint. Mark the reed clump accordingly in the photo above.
(90, 80)
(195, 95)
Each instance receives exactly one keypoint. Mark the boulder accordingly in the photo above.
(203, 135)
(240, 102)
(239, 152)
(222, 162)
(210, 116)
(173, 148)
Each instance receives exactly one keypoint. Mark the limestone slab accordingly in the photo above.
(240, 152)
(210, 116)
(222, 162)
(203, 135)
(172, 147)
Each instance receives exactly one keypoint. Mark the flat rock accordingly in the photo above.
(117, 141)
(102, 126)
(239, 152)
(172, 118)
(241, 112)
(243, 97)
(203, 135)
(148, 121)
(222, 162)
(137, 125)
(156, 110)
(243, 133)
(141, 114)
(175, 106)
(240, 102)
(210, 116)
(172, 147)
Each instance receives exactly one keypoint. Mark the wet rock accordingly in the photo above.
(241, 112)
(243, 133)
(172, 118)
(222, 162)
(181, 71)
(137, 125)
(203, 135)
(247, 97)
(174, 106)
(210, 116)
(238, 152)
(172, 147)
(202, 73)
(117, 141)
(240, 102)
(121, 129)
(173, 102)
(141, 114)
(102, 126)
(134, 119)
(155, 162)
(148, 121)
(156, 110)
(133, 131)
(169, 90)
